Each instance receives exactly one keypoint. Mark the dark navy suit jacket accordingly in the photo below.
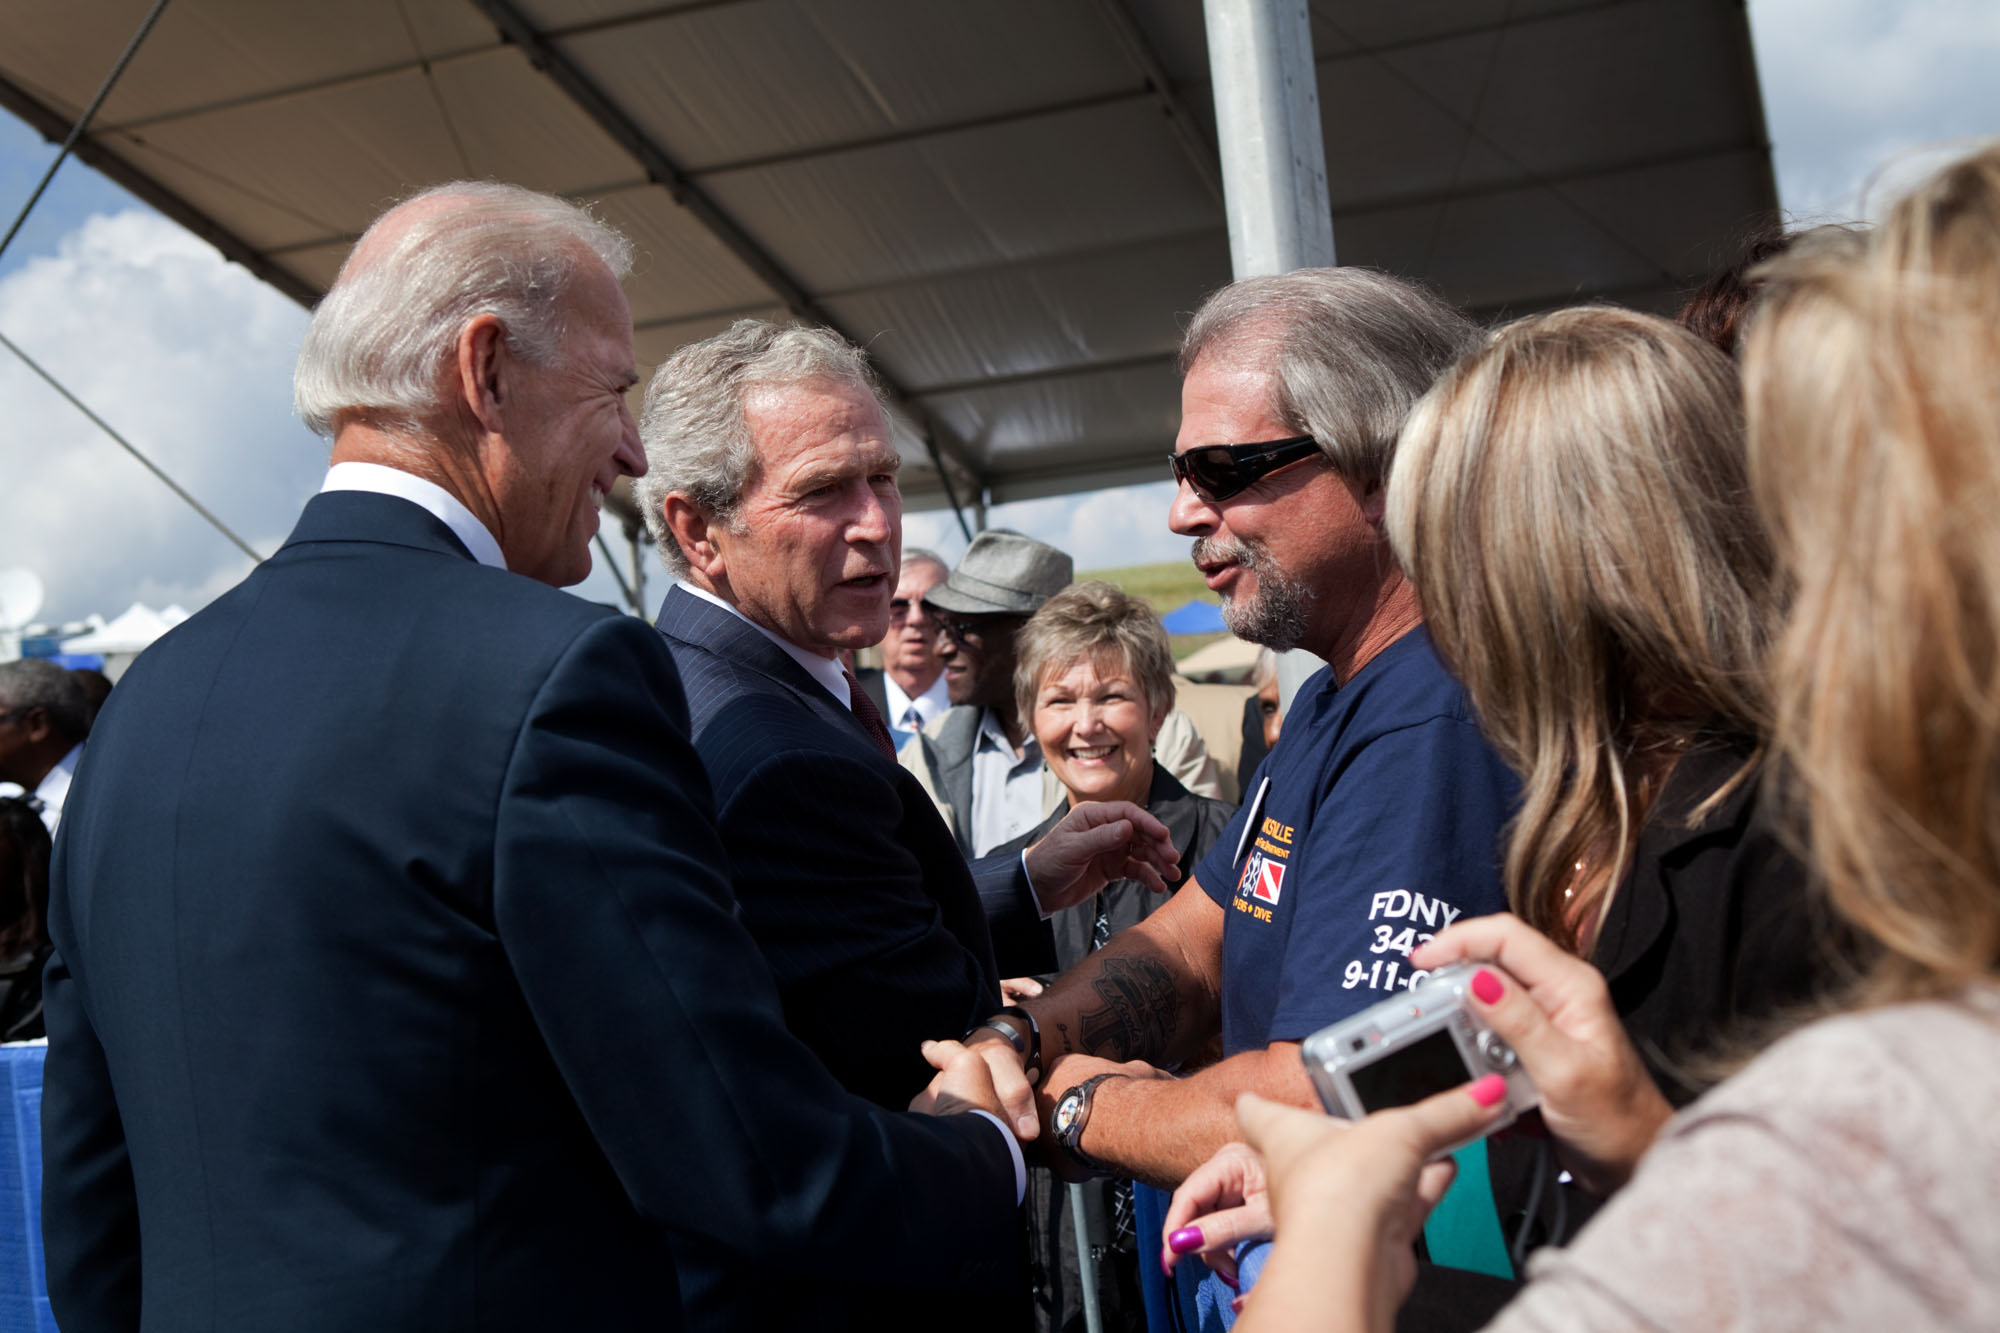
(849, 880)
(399, 983)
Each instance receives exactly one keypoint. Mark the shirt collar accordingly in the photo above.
(826, 670)
(930, 703)
(993, 736)
(54, 786)
(447, 508)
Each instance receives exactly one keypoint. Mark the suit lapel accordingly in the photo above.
(693, 621)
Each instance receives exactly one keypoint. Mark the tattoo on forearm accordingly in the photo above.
(1068, 1046)
(1139, 1014)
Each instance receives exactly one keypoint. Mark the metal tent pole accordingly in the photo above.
(1268, 132)
(83, 121)
(1267, 129)
(1086, 1257)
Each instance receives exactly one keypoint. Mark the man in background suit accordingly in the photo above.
(912, 671)
(44, 717)
(398, 983)
(908, 688)
(772, 496)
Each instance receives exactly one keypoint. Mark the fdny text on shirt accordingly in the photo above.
(1398, 914)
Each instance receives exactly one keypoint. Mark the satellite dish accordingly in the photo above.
(20, 597)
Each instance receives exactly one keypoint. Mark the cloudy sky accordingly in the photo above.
(201, 378)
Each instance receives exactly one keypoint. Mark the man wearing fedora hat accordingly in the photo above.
(979, 761)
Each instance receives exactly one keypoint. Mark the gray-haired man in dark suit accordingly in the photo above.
(772, 497)
(398, 983)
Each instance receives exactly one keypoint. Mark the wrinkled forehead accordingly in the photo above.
(793, 421)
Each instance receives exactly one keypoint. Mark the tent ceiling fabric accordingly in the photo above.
(992, 195)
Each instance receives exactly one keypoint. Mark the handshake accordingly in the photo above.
(995, 1067)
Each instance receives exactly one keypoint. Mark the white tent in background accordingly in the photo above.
(1225, 659)
(129, 634)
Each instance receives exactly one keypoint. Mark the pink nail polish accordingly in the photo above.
(1185, 1241)
(1229, 1281)
(1236, 1306)
(1490, 1090)
(1487, 987)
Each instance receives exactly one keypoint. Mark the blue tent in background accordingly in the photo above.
(1194, 618)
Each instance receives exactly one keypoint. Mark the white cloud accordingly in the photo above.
(1855, 90)
(1100, 529)
(190, 358)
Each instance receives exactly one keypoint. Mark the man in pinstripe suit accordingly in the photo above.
(772, 496)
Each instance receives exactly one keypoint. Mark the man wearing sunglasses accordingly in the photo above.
(1376, 818)
(913, 685)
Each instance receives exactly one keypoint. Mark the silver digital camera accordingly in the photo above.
(1418, 1043)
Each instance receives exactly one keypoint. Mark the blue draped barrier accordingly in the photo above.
(24, 1288)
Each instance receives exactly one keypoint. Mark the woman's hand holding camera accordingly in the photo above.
(1598, 1101)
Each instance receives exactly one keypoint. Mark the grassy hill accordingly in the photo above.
(1165, 587)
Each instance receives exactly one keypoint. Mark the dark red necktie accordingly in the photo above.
(871, 716)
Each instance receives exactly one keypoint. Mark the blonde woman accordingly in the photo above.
(1573, 505)
(1846, 1177)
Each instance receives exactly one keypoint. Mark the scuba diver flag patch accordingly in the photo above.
(1263, 878)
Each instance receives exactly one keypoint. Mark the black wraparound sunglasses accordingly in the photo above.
(1218, 471)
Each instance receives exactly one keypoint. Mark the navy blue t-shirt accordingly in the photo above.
(1375, 823)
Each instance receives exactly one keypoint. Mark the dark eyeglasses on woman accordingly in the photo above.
(1218, 471)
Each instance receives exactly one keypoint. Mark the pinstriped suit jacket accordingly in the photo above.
(849, 880)
(856, 893)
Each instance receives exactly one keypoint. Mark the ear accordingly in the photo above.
(484, 370)
(35, 723)
(1373, 497)
(696, 532)
(1159, 719)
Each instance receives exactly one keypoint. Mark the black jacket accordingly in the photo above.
(1714, 928)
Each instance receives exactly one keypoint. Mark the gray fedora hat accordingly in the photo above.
(1003, 573)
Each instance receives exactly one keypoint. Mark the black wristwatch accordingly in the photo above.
(1018, 1026)
(1072, 1113)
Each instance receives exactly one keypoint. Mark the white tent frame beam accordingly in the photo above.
(54, 126)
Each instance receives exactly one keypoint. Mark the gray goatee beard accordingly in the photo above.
(1280, 612)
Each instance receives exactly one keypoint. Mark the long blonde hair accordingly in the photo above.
(1873, 394)
(1571, 502)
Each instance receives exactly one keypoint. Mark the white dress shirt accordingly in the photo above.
(1006, 787)
(927, 705)
(377, 479)
(53, 789)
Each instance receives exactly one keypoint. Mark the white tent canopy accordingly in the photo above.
(129, 633)
(1013, 204)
